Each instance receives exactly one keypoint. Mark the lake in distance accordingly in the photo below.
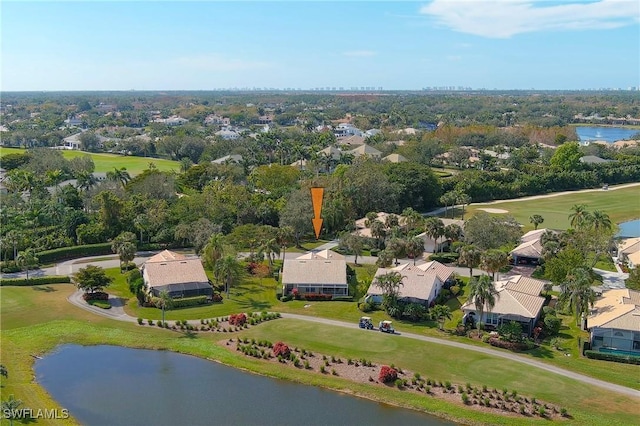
(608, 134)
(112, 385)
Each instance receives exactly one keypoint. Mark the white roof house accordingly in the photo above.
(316, 272)
(175, 273)
(233, 158)
(228, 135)
(395, 158)
(420, 283)
(614, 321)
(517, 299)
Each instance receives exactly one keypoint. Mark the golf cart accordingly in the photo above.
(365, 322)
(386, 327)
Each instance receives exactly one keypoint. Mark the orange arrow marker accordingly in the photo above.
(316, 200)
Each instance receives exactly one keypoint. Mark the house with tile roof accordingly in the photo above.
(629, 252)
(614, 322)
(530, 249)
(367, 150)
(420, 283)
(316, 272)
(518, 299)
(176, 274)
(395, 158)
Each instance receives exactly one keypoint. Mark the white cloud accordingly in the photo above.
(219, 63)
(454, 58)
(503, 19)
(360, 53)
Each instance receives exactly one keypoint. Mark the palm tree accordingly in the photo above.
(415, 247)
(26, 259)
(10, 408)
(378, 231)
(482, 293)
(389, 283)
(230, 270)
(412, 219)
(469, 257)
(493, 260)
(13, 237)
(536, 220)
(600, 221)
(463, 199)
(119, 175)
(578, 292)
(271, 249)
(85, 180)
(124, 245)
(434, 228)
(579, 217)
(213, 251)
(142, 224)
(453, 232)
(164, 301)
(440, 314)
(285, 237)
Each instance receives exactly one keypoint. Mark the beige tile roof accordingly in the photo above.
(533, 235)
(331, 151)
(525, 285)
(395, 158)
(617, 308)
(179, 271)
(442, 271)
(351, 140)
(365, 150)
(634, 258)
(324, 267)
(532, 249)
(510, 302)
(416, 283)
(629, 245)
(165, 256)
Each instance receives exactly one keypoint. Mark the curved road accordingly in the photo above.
(117, 313)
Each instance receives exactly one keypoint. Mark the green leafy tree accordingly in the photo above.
(567, 157)
(378, 231)
(453, 232)
(434, 228)
(90, 141)
(398, 247)
(120, 175)
(26, 260)
(510, 331)
(297, 214)
(91, 279)
(353, 243)
(213, 252)
(125, 246)
(385, 258)
(463, 199)
(579, 217)
(536, 220)
(482, 293)
(488, 232)
(556, 269)
(441, 313)
(414, 248)
(284, 236)
(633, 282)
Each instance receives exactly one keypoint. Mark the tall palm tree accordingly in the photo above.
(229, 269)
(434, 227)
(213, 252)
(164, 301)
(483, 294)
(600, 221)
(577, 292)
(493, 260)
(10, 408)
(536, 220)
(119, 175)
(463, 199)
(270, 248)
(453, 232)
(415, 248)
(579, 216)
(441, 313)
(378, 231)
(469, 256)
(390, 283)
(285, 238)
(85, 180)
(26, 259)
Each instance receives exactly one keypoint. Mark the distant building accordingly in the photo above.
(228, 159)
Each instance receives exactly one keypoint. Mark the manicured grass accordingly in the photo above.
(621, 205)
(103, 304)
(106, 162)
(30, 327)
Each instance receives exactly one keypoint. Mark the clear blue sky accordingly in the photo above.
(502, 44)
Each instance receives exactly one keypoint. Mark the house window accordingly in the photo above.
(492, 319)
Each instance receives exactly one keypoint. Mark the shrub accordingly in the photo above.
(455, 290)
(513, 346)
(237, 319)
(216, 298)
(140, 321)
(322, 369)
(444, 257)
(626, 359)
(307, 365)
(563, 412)
(465, 398)
(447, 385)
(399, 383)
(552, 325)
(281, 349)
(542, 412)
(334, 372)
(317, 296)
(150, 322)
(51, 279)
(97, 295)
(387, 374)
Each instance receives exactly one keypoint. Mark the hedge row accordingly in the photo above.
(189, 301)
(64, 253)
(51, 279)
(606, 356)
(444, 257)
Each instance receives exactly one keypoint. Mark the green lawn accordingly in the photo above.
(36, 320)
(106, 162)
(621, 205)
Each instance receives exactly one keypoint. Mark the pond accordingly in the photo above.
(629, 229)
(608, 134)
(112, 385)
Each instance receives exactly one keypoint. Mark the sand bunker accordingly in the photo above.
(489, 210)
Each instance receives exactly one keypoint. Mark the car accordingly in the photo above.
(386, 327)
(366, 323)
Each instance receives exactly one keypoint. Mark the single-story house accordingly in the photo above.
(518, 299)
(316, 272)
(593, 159)
(530, 249)
(614, 321)
(420, 283)
(365, 150)
(176, 274)
(395, 158)
(629, 252)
